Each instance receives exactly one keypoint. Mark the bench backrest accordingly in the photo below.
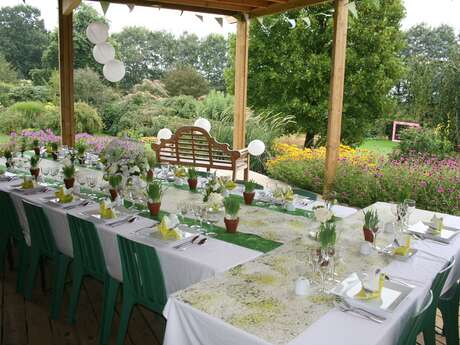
(193, 146)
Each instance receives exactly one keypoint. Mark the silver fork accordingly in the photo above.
(344, 306)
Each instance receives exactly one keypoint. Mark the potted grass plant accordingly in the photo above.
(34, 169)
(8, 157)
(249, 191)
(81, 147)
(114, 182)
(68, 170)
(54, 150)
(36, 146)
(192, 178)
(155, 193)
(371, 223)
(232, 207)
(152, 161)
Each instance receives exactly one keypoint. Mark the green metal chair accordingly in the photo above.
(448, 304)
(89, 261)
(143, 281)
(12, 230)
(43, 247)
(415, 325)
(429, 333)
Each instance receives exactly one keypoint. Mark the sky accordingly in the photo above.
(433, 12)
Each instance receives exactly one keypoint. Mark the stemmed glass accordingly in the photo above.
(182, 210)
(323, 262)
(410, 207)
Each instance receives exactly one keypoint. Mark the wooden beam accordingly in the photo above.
(69, 5)
(334, 126)
(66, 76)
(241, 82)
(283, 7)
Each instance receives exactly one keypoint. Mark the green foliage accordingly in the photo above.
(23, 92)
(425, 141)
(181, 106)
(185, 81)
(115, 181)
(68, 171)
(90, 89)
(23, 37)
(154, 87)
(232, 206)
(155, 191)
(34, 161)
(250, 186)
(371, 219)
(87, 119)
(192, 173)
(81, 147)
(213, 60)
(327, 234)
(7, 72)
(290, 67)
(216, 106)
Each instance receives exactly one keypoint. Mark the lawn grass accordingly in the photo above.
(4, 139)
(380, 146)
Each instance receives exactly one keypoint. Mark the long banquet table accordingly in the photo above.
(255, 303)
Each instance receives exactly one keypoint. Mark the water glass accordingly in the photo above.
(410, 207)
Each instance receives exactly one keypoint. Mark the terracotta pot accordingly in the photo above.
(81, 161)
(248, 197)
(37, 151)
(8, 164)
(368, 235)
(231, 224)
(192, 183)
(54, 155)
(150, 175)
(113, 194)
(154, 208)
(69, 182)
(35, 172)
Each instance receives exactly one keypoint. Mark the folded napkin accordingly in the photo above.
(436, 225)
(106, 210)
(64, 195)
(372, 285)
(404, 249)
(167, 228)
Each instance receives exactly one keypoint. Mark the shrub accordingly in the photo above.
(185, 81)
(87, 119)
(423, 141)
(7, 72)
(154, 87)
(181, 106)
(216, 106)
(26, 92)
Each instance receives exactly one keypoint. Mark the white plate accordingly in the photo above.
(154, 234)
(389, 251)
(54, 201)
(95, 215)
(422, 229)
(391, 297)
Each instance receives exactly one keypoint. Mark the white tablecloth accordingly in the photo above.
(189, 326)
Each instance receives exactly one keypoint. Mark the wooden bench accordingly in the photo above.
(193, 146)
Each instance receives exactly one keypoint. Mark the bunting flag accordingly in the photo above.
(181, 13)
(105, 6)
(231, 20)
(292, 22)
(200, 17)
(260, 20)
(131, 7)
(307, 21)
(352, 9)
(220, 21)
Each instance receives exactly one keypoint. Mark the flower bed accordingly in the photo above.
(363, 178)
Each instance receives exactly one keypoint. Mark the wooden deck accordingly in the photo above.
(28, 323)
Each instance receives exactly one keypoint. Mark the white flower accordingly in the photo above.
(322, 214)
(215, 200)
(113, 170)
(66, 162)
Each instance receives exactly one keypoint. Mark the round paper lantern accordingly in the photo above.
(203, 123)
(164, 133)
(256, 147)
(97, 32)
(114, 70)
(103, 53)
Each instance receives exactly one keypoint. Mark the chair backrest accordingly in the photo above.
(193, 146)
(10, 219)
(87, 250)
(440, 280)
(415, 325)
(41, 235)
(142, 273)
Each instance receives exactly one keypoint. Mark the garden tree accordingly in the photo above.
(185, 80)
(213, 60)
(83, 56)
(289, 68)
(146, 54)
(188, 50)
(23, 37)
(7, 72)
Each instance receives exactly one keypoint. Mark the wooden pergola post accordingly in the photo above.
(241, 82)
(334, 126)
(66, 73)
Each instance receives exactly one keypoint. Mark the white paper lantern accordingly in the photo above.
(114, 71)
(164, 133)
(103, 53)
(203, 123)
(256, 147)
(97, 32)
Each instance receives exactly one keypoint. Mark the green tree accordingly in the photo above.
(213, 60)
(7, 72)
(23, 37)
(289, 68)
(83, 56)
(185, 81)
(188, 50)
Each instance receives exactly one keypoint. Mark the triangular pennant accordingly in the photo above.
(260, 20)
(131, 7)
(105, 6)
(292, 22)
(181, 13)
(220, 21)
(352, 9)
(200, 17)
(307, 21)
(232, 20)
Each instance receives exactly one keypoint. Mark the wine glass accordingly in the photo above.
(410, 207)
(323, 266)
(182, 209)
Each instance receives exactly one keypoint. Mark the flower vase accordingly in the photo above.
(231, 224)
(81, 161)
(368, 235)
(154, 208)
(248, 197)
(113, 194)
(69, 182)
(192, 183)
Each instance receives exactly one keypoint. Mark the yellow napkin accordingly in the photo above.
(63, 196)
(403, 250)
(366, 295)
(106, 212)
(27, 184)
(230, 185)
(166, 232)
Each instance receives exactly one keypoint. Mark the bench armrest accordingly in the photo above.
(243, 153)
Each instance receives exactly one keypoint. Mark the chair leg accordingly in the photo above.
(449, 310)
(23, 251)
(33, 270)
(75, 294)
(10, 255)
(126, 310)
(3, 251)
(43, 274)
(61, 265)
(429, 334)
(108, 308)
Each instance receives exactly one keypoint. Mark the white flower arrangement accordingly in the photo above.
(215, 201)
(322, 214)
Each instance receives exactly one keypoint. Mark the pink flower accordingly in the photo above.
(441, 190)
